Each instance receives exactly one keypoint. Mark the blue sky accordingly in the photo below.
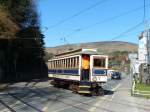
(75, 30)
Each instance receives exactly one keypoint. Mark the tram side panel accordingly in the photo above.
(67, 69)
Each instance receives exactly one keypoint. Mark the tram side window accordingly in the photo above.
(72, 62)
(77, 62)
(52, 64)
(55, 64)
(63, 63)
(59, 63)
(99, 62)
(66, 63)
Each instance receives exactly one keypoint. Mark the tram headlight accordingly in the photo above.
(94, 79)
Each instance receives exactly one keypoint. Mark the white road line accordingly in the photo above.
(114, 89)
(45, 109)
(102, 99)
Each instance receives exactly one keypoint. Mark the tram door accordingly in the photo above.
(85, 67)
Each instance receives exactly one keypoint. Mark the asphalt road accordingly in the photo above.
(43, 97)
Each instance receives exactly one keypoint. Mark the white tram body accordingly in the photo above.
(68, 66)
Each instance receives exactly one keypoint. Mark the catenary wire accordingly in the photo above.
(77, 14)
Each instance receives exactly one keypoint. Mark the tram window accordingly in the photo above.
(63, 63)
(52, 64)
(73, 61)
(58, 64)
(55, 64)
(76, 62)
(68, 62)
(99, 62)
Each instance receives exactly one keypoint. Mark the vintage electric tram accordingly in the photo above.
(82, 70)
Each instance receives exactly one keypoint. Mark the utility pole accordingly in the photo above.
(147, 34)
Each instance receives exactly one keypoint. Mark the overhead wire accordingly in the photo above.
(105, 20)
(127, 31)
(77, 14)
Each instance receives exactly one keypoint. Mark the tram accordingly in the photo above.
(82, 70)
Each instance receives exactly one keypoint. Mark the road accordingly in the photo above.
(43, 97)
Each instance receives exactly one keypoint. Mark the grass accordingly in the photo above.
(142, 87)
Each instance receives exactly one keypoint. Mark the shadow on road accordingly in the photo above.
(108, 92)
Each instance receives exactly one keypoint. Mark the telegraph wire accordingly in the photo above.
(105, 20)
(127, 31)
(77, 14)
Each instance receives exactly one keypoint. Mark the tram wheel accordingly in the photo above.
(74, 88)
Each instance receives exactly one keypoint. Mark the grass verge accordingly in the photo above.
(143, 89)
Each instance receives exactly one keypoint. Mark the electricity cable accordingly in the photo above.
(77, 14)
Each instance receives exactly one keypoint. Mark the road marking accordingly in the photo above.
(45, 109)
(112, 97)
(102, 99)
(115, 88)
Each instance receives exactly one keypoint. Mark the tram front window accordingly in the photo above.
(99, 62)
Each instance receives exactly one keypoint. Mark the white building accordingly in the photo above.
(148, 46)
(142, 50)
(144, 56)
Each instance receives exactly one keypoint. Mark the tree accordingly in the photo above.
(8, 28)
(27, 49)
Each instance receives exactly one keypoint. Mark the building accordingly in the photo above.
(148, 46)
(142, 49)
(144, 56)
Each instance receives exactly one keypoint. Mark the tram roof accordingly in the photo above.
(79, 52)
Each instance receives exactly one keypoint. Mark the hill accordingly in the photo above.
(104, 47)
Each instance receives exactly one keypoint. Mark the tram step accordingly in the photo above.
(84, 91)
(84, 86)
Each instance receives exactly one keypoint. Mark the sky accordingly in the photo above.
(80, 21)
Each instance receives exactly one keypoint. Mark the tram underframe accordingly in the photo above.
(83, 87)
